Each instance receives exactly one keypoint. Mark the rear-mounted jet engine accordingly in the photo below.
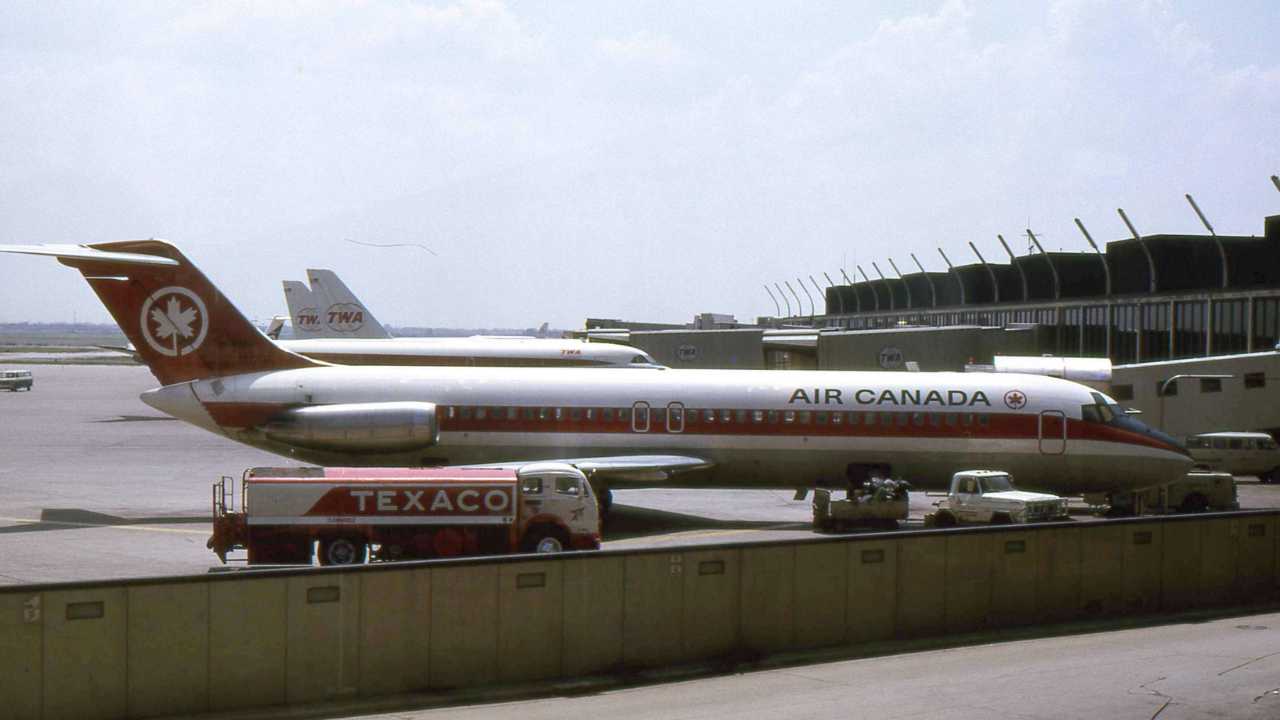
(357, 427)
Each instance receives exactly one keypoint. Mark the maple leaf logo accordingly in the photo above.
(174, 321)
(1015, 399)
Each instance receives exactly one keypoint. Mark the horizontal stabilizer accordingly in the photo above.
(180, 324)
(81, 252)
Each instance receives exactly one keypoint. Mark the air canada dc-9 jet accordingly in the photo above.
(727, 428)
(331, 324)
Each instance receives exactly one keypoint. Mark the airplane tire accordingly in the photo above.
(343, 551)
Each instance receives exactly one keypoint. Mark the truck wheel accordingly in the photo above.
(1269, 477)
(1194, 503)
(342, 551)
(944, 519)
(545, 540)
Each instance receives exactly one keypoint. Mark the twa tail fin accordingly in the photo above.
(181, 325)
(342, 315)
(304, 309)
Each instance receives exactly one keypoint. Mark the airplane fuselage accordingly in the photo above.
(759, 428)
(470, 351)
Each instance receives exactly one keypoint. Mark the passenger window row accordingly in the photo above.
(691, 417)
(554, 414)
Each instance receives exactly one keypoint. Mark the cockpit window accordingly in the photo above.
(639, 360)
(1103, 410)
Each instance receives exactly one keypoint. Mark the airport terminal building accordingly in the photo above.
(1145, 299)
(1189, 322)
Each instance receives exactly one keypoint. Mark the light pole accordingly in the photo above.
(784, 298)
(774, 299)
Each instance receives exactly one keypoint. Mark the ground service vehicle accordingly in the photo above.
(989, 496)
(1197, 492)
(1239, 453)
(15, 380)
(401, 513)
(878, 503)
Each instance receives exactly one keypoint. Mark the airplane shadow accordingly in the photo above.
(629, 521)
(75, 519)
(136, 418)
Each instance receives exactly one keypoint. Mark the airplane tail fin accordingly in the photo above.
(180, 324)
(342, 314)
(304, 310)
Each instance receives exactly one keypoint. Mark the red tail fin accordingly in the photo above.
(181, 325)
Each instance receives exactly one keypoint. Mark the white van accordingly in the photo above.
(15, 380)
(1239, 453)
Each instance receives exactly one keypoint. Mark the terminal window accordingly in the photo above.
(1169, 388)
(1122, 392)
(1210, 385)
(1255, 380)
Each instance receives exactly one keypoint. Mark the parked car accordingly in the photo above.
(15, 380)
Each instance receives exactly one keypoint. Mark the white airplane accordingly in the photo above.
(726, 428)
(334, 326)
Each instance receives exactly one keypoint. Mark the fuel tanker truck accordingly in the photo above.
(352, 514)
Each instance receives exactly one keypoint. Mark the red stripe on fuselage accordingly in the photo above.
(912, 424)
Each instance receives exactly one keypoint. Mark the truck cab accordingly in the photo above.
(989, 496)
(557, 509)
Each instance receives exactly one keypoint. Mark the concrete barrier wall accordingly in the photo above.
(223, 642)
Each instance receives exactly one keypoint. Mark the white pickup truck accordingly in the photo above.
(988, 496)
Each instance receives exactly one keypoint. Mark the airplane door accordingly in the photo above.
(1053, 432)
(675, 417)
(640, 417)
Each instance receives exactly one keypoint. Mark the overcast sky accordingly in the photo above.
(639, 160)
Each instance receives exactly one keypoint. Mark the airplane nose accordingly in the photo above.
(1171, 442)
(179, 400)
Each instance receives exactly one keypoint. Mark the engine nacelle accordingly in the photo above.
(358, 427)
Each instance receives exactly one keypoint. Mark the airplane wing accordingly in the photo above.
(622, 468)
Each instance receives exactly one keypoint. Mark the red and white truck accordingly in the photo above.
(403, 513)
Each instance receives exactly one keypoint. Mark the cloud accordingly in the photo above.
(540, 141)
(643, 48)
(329, 29)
